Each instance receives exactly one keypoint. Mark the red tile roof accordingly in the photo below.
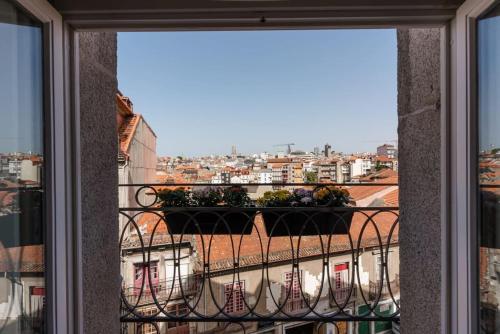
(222, 254)
(127, 122)
(359, 192)
(392, 198)
(22, 259)
(127, 130)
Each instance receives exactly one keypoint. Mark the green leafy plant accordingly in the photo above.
(236, 196)
(178, 197)
(207, 197)
(311, 177)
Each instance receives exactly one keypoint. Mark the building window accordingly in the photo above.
(234, 294)
(292, 290)
(341, 275)
(292, 282)
(341, 287)
(488, 168)
(141, 273)
(23, 189)
(178, 310)
(148, 328)
(378, 268)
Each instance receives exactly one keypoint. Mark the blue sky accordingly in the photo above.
(489, 82)
(21, 106)
(203, 92)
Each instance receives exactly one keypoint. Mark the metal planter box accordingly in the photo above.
(296, 222)
(217, 221)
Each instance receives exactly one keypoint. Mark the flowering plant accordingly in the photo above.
(278, 198)
(331, 196)
(302, 197)
(326, 196)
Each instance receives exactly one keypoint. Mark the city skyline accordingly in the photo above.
(257, 89)
(273, 152)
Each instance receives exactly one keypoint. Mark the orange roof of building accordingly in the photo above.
(223, 256)
(279, 160)
(22, 259)
(382, 176)
(127, 122)
(392, 198)
(248, 250)
(359, 192)
(127, 130)
(383, 158)
(124, 105)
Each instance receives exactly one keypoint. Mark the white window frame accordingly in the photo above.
(458, 298)
(60, 293)
(463, 283)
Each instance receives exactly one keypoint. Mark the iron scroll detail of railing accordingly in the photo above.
(220, 264)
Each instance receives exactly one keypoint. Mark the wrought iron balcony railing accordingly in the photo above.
(383, 289)
(343, 294)
(241, 255)
(295, 304)
(168, 289)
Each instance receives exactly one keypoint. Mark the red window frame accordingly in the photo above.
(293, 283)
(141, 272)
(341, 275)
(234, 295)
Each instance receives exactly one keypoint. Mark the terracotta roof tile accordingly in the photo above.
(221, 249)
(127, 130)
(392, 198)
(22, 259)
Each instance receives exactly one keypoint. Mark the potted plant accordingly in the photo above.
(199, 202)
(291, 220)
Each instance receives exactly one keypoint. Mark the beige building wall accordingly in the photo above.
(312, 276)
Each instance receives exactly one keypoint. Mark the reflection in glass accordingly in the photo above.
(22, 282)
(489, 169)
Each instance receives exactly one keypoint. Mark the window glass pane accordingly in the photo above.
(22, 265)
(489, 169)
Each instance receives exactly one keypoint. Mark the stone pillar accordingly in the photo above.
(419, 133)
(99, 183)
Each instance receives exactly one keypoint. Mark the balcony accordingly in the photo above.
(168, 289)
(384, 289)
(295, 305)
(241, 274)
(343, 295)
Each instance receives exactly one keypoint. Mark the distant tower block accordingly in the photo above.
(316, 150)
(328, 149)
(233, 151)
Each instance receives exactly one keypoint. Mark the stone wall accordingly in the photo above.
(419, 134)
(99, 183)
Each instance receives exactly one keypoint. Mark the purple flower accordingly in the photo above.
(306, 200)
(303, 192)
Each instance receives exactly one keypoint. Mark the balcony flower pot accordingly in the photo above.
(209, 210)
(296, 222)
(239, 221)
(291, 218)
